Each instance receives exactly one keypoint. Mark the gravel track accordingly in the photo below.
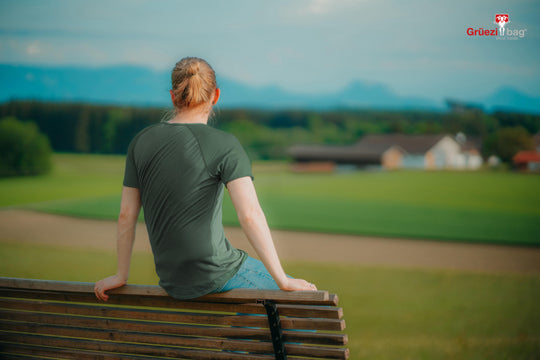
(41, 228)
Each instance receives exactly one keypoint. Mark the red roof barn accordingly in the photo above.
(527, 160)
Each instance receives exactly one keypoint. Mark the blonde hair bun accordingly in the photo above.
(192, 69)
(193, 82)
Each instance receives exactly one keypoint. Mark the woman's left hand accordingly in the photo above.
(297, 284)
(111, 282)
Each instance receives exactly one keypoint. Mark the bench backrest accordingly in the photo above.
(44, 318)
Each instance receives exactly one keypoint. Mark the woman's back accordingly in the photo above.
(176, 172)
(180, 170)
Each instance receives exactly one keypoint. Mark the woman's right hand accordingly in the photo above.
(297, 285)
(111, 282)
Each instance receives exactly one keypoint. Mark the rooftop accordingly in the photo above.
(414, 144)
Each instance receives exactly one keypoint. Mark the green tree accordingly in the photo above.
(506, 142)
(24, 150)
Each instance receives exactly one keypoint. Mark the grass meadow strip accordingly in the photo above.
(390, 312)
(496, 207)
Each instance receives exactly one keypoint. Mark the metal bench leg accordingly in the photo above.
(275, 329)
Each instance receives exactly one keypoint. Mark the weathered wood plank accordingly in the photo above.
(279, 296)
(309, 311)
(170, 316)
(176, 329)
(173, 340)
(137, 336)
(235, 296)
(12, 356)
(29, 351)
(126, 348)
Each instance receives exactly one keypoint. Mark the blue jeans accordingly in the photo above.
(251, 275)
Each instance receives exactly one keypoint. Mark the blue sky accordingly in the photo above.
(418, 48)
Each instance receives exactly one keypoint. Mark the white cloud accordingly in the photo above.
(320, 9)
(301, 45)
(319, 6)
(33, 49)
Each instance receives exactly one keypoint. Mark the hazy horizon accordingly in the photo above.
(309, 46)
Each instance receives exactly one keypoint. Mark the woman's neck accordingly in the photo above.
(194, 116)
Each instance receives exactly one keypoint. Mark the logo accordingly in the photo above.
(503, 32)
(501, 20)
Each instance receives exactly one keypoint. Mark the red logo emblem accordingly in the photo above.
(501, 19)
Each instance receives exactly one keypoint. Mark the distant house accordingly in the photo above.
(432, 151)
(392, 151)
(527, 160)
(314, 157)
(470, 157)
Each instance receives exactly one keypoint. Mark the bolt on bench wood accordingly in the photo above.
(64, 320)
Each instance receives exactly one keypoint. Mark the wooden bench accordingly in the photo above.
(56, 319)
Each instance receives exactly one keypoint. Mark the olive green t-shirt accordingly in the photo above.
(180, 171)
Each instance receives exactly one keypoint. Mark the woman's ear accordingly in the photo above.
(216, 96)
(172, 96)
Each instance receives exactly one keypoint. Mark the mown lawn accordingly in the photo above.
(464, 206)
(390, 313)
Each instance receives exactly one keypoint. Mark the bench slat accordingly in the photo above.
(170, 316)
(278, 296)
(177, 329)
(137, 337)
(126, 348)
(236, 295)
(29, 351)
(308, 311)
(173, 340)
(111, 350)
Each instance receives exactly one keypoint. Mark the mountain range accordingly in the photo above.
(141, 86)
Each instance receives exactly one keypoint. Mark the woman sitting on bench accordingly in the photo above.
(176, 171)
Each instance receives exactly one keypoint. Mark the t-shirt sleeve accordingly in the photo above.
(130, 174)
(235, 162)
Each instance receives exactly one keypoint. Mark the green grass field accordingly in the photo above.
(493, 207)
(390, 313)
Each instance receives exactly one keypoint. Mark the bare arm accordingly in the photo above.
(254, 224)
(130, 207)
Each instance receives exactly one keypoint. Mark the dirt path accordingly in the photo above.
(33, 227)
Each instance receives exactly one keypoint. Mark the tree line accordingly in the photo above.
(108, 129)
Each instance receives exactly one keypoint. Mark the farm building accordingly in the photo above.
(394, 151)
(432, 151)
(325, 158)
(527, 160)
(470, 156)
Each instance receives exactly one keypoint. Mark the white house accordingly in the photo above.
(431, 151)
(391, 151)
